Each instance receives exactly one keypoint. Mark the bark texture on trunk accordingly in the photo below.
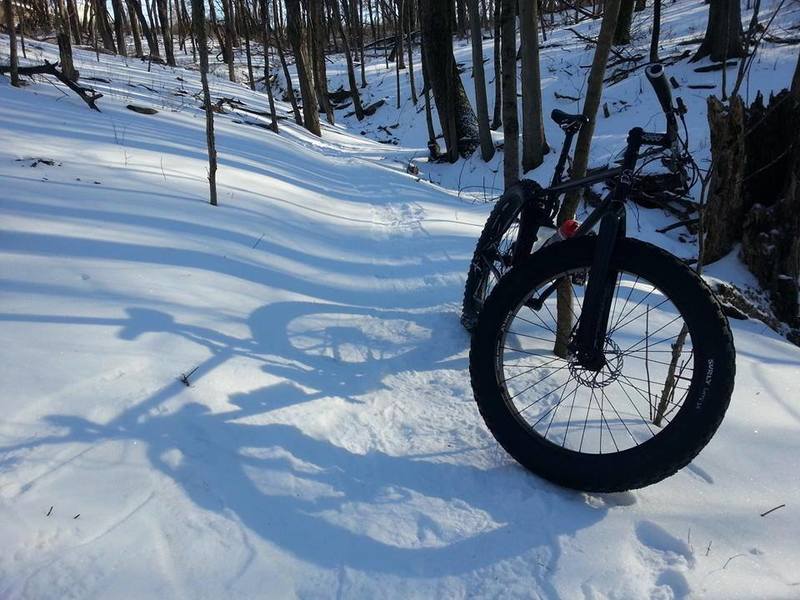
(508, 54)
(656, 33)
(265, 32)
(318, 39)
(296, 32)
(622, 33)
(534, 145)
(497, 113)
(481, 103)
(166, 32)
(119, 26)
(754, 193)
(8, 9)
(199, 24)
(458, 121)
(351, 75)
(724, 36)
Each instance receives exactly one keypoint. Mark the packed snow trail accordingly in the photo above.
(327, 443)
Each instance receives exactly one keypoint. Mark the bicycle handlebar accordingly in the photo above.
(658, 79)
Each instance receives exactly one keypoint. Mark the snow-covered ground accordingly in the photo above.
(327, 444)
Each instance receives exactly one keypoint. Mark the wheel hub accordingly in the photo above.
(605, 372)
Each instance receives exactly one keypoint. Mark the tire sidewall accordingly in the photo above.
(676, 444)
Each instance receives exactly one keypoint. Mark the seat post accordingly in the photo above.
(562, 159)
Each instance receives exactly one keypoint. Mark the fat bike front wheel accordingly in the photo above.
(659, 396)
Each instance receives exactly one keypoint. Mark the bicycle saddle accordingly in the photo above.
(566, 120)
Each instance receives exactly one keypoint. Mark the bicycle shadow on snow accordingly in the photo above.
(432, 515)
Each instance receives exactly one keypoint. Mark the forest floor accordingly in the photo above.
(271, 397)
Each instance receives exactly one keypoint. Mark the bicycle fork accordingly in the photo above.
(590, 338)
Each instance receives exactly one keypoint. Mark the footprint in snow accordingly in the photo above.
(667, 558)
(396, 219)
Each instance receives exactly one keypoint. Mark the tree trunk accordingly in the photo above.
(289, 88)
(795, 89)
(410, 68)
(199, 23)
(166, 33)
(497, 114)
(361, 43)
(119, 26)
(149, 33)
(248, 54)
(461, 9)
(656, 35)
(317, 38)
(724, 37)
(351, 75)
(265, 32)
(510, 119)
(481, 103)
(534, 145)
(8, 9)
(227, 14)
(64, 43)
(622, 33)
(398, 45)
(134, 22)
(101, 21)
(74, 23)
(295, 30)
(723, 210)
(754, 194)
(433, 147)
(459, 124)
(594, 92)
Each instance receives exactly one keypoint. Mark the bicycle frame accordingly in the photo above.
(590, 335)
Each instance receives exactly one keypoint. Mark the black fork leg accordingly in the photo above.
(590, 337)
(591, 334)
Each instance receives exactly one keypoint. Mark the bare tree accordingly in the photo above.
(481, 104)
(622, 33)
(149, 32)
(534, 144)
(199, 23)
(296, 32)
(410, 13)
(8, 9)
(64, 43)
(101, 23)
(317, 37)
(166, 32)
(227, 14)
(510, 120)
(458, 121)
(351, 75)
(724, 36)
(656, 34)
(265, 32)
(287, 76)
(119, 26)
(497, 114)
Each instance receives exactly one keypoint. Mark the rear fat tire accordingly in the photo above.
(677, 443)
(500, 220)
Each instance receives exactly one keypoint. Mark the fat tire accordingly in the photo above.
(677, 443)
(505, 211)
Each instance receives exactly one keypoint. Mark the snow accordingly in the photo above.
(328, 444)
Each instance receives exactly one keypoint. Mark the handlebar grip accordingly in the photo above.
(658, 79)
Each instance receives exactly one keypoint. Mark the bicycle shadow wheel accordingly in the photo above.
(347, 351)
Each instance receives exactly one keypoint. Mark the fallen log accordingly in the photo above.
(88, 95)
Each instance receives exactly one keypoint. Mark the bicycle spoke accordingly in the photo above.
(620, 397)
